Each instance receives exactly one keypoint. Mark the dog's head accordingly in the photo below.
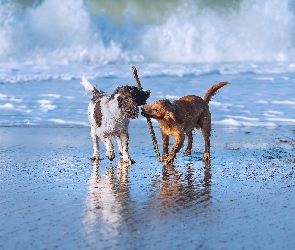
(129, 98)
(162, 110)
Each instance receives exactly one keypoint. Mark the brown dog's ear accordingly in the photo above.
(128, 106)
(173, 117)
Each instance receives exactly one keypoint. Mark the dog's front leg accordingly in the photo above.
(179, 139)
(123, 139)
(94, 137)
(165, 140)
(109, 148)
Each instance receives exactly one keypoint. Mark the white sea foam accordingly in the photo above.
(228, 122)
(3, 97)
(284, 120)
(243, 118)
(53, 33)
(221, 105)
(192, 36)
(171, 97)
(7, 106)
(284, 102)
(64, 122)
(262, 102)
(13, 99)
(51, 95)
(265, 78)
(234, 123)
(285, 78)
(28, 73)
(272, 113)
(46, 105)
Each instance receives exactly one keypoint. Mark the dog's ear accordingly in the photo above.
(173, 117)
(128, 106)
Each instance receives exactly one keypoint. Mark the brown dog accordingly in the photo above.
(179, 118)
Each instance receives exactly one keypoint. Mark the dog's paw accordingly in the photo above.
(110, 155)
(169, 159)
(95, 158)
(163, 158)
(206, 156)
(128, 161)
(187, 152)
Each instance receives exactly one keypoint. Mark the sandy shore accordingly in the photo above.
(52, 196)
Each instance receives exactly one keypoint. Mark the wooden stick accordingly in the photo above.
(148, 118)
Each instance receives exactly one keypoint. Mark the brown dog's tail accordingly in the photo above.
(212, 91)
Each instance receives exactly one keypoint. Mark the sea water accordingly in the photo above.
(178, 47)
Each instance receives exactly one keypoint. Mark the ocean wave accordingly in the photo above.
(101, 32)
(62, 40)
(12, 73)
(230, 122)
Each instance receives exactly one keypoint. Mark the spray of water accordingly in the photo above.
(93, 32)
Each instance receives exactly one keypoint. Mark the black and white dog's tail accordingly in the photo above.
(88, 86)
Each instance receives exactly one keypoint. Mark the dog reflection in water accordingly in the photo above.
(107, 202)
(178, 191)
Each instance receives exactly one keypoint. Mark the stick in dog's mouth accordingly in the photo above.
(145, 114)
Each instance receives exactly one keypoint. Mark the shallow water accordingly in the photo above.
(52, 196)
(249, 100)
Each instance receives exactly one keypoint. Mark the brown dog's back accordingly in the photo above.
(188, 109)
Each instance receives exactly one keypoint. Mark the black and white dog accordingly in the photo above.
(110, 116)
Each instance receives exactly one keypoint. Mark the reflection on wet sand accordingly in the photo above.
(178, 191)
(107, 203)
(112, 216)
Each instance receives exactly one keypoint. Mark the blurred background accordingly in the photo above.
(130, 31)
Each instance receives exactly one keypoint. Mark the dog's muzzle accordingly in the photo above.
(143, 113)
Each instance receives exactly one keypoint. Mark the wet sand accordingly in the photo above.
(53, 197)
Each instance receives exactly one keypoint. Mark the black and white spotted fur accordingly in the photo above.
(110, 116)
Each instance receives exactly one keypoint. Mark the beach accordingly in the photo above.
(53, 196)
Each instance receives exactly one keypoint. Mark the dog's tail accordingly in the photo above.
(88, 86)
(212, 91)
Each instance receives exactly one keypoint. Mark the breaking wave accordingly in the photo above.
(97, 32)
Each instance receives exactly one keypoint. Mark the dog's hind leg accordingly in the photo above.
(94, 138)
(109, 148)
(188, 150)
(205, 124)
(123, 140)
(120, 146)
